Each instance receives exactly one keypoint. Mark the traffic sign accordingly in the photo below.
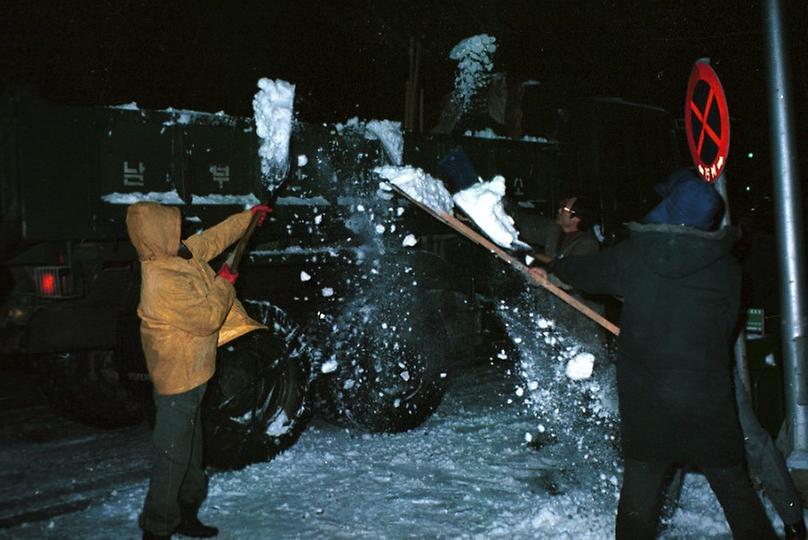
(707, 121)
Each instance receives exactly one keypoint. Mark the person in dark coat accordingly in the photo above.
(569, 234)
(681, 291)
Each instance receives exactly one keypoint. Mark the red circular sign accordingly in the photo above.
(707, 121)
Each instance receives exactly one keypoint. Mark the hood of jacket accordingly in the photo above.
(675, 251)
(154, 230)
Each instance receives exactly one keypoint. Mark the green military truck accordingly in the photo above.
(362, 328)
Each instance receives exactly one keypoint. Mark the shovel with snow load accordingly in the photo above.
(476, 237)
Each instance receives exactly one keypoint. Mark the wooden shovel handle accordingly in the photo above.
(473, 235)
(238, 253)
(467, 231)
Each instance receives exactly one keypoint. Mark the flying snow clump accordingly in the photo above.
(409, 240)
(580, 366)
(474, 62)
(389, 133)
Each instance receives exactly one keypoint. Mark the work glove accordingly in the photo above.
(262, 210)
(226, 273)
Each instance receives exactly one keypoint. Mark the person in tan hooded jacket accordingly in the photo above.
(187, 310)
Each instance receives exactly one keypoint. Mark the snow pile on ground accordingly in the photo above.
(273, 122)
(419, 185)
(474, 62)
(482, 202)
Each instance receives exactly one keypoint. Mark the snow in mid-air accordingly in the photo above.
(389, 133)
(474, 62)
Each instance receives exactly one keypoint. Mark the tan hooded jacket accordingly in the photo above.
(185, 310)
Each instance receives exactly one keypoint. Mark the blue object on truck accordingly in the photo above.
(458, 170)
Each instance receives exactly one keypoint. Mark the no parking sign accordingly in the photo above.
(707, 121)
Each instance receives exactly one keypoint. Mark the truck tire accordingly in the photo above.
(87, 386)
(257, 404)
(387, 381)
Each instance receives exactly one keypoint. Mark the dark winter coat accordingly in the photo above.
(681, 292)
(545, 232)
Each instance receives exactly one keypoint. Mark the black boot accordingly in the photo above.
(795, 531)
(191, 526)
(151, 536)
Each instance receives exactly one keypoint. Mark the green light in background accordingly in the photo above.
(750, 155)
(748, 188)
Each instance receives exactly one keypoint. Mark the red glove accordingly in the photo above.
(225, 273)
(262, 210)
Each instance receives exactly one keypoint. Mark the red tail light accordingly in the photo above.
(47, 283)
(53, 281)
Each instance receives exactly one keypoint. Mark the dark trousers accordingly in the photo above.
(178, 484)
(640, 498)
(764, 460)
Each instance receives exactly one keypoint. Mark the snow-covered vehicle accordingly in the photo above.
(369, 303)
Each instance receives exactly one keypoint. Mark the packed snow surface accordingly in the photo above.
(247, 201)
(419, 185)
(162, 197)
(482, 202)
(273, 105)
(466, 473)
(489, 133)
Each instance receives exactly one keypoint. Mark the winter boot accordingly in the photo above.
(795, 531)
(191, 526)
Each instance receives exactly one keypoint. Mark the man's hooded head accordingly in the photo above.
(154, 230)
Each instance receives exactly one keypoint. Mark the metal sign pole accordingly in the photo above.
(789, 237)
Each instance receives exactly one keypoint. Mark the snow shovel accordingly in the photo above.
(476, 237)
(238, 252)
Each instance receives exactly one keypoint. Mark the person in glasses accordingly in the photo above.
(569, 233)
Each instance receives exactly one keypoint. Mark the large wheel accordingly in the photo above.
(391, 365)
(89, 387)
(257, 403)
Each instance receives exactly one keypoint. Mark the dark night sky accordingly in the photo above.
(350, 57)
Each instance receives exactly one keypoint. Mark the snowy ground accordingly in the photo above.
(466, 473)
